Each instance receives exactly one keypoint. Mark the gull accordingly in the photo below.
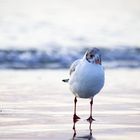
(86, 78)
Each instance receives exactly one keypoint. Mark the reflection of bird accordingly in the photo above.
(86, 78)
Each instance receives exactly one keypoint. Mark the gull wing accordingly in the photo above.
(74, 65)
(72, 68)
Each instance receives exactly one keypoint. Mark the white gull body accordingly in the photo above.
(87, 79)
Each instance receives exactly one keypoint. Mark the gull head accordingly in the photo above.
(93, 56)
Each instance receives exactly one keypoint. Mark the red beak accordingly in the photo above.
(98, 61)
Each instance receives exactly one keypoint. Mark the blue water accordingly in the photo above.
(60, 57)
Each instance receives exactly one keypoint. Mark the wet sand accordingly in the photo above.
(36, 105)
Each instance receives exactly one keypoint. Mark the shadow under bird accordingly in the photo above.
(86, 78)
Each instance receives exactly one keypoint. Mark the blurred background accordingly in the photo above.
(38, 34)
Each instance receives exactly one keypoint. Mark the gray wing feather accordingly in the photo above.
(74, 65)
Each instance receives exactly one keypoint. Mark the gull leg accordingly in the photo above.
(90, 119)
(75, 117)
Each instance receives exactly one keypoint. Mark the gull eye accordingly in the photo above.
(91, 55)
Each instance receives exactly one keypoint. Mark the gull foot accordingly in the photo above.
(75, 118)
(90, 119)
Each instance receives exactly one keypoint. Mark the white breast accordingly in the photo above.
(87, 80)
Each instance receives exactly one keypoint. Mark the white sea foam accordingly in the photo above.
(54, 57)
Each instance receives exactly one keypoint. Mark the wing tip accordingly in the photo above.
(65, 80)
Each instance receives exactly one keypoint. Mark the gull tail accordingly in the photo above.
(65, 80)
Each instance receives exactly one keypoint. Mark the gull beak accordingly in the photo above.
(98, 60)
